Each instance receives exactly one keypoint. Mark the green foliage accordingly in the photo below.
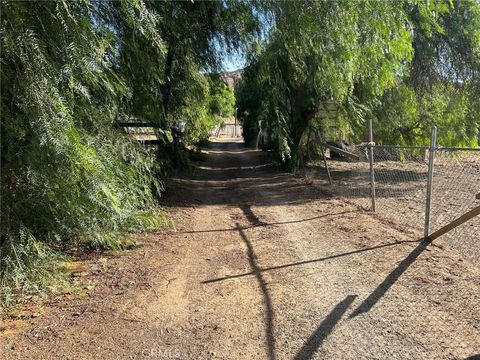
(406, 64)
(68, 174)
(222, 98)
(442, 85)
(193, 34)
(316, 53)
(401, 119)
(209, 103)
(396, 117)
(249, 95)
(29, 266)
(70, 71)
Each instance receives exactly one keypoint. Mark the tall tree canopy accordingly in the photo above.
(363, 58)
(442, 85)
(70, 71)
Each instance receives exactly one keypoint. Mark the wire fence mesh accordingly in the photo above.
(443, 284)
(401, 175)
(401, 178)
(456, 182)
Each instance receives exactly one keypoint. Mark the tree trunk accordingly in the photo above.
(302, 122)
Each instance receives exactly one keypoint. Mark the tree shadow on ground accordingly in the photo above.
(324, 329)
(231, 166)
(270, 338)
(263, 224)
(326, 326)
(282, 189)
(252, 258)
(473, 357)
(311, 261)
(391, 279)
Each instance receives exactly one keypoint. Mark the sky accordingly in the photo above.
(233, 62)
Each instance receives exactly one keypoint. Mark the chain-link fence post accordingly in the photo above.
(370, 158)
(326, 165)
(431, 156)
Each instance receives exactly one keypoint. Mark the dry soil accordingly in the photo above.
(260, 265)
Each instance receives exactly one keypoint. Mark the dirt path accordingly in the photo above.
(263, 265)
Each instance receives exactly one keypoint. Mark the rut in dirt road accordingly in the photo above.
(266, 265)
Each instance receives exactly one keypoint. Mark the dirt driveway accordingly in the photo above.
(262, 265)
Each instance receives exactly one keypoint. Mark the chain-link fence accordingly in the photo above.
(456, 182)
(400, 193)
